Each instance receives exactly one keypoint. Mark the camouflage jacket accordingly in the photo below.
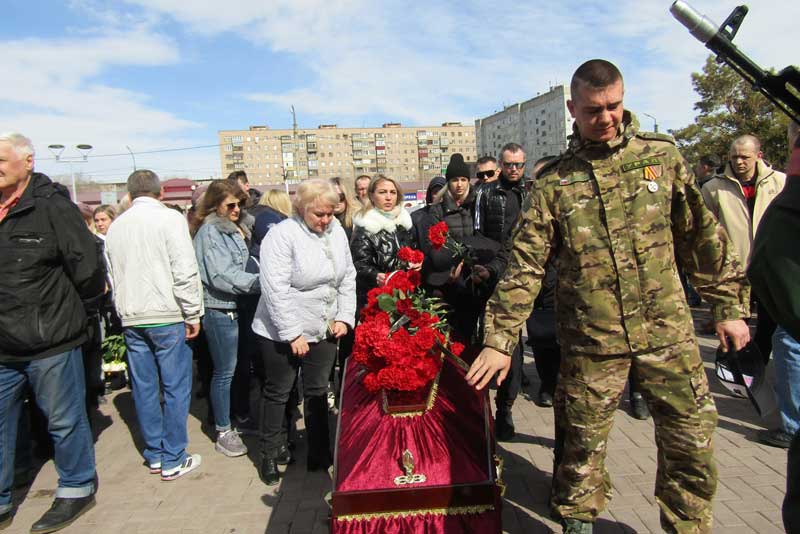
(616, 215)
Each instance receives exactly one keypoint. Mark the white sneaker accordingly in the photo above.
(230, 444)
(190, 463)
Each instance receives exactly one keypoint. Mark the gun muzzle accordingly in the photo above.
(699, 25)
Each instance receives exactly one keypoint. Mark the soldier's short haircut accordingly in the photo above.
(746, 140)
(240, 176)
(596, 73)
(711, 160)
(486, 159)
(144, 183)
(511, 147)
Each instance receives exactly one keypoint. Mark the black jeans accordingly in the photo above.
(509, 389)
(248, 356)
(280, 369)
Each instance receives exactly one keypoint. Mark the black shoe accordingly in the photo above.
(504, 425)
(62, 513)
(545, 399)
(268, 471)
(284, 456)
(5, 518)
(775, 438)
(639, 407)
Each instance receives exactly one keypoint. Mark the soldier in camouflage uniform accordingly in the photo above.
(614, 209)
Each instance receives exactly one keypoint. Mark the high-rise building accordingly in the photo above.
(541, 125)
(408, 154)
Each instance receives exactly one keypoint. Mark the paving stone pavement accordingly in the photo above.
(226, 496)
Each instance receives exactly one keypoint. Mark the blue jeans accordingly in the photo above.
(222, 333)
(161, 350)
(786, 353)
(60, 392)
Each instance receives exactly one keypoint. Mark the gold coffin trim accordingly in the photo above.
(428, 406)
(457, 510)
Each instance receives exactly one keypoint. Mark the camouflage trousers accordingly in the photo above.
(673, 381)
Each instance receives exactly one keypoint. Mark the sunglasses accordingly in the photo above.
(485, 174)
(231, 205)
(342, 197)
(514, 164)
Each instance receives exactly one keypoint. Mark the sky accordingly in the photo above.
(160, 78)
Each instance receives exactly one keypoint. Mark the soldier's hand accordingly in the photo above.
(737, 331)
(488, 362)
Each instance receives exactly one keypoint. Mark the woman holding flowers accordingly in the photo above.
(380, 230)
(307, 302)
(453, 247)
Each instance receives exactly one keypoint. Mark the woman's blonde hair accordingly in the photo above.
(278, 200)
(373, 184)
(350, 204)
(108, 210)
(312, 190)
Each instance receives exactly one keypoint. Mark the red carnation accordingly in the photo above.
(409, 255)
(437, 235)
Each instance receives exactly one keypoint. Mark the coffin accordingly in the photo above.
(429, 471)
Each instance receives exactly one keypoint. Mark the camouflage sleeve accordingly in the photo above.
(512, 300)
(706, 253)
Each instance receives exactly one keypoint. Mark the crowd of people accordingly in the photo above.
(591, 252)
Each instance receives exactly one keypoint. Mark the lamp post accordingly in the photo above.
(655, 122)
(84, 150)
(132, 157)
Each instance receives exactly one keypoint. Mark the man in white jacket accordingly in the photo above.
(158, 296)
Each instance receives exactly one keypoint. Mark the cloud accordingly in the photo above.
(58, 91)
(358, 61)
(431, 62)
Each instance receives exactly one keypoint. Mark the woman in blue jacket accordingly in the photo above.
(222, 254)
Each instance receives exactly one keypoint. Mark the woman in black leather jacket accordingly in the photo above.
(379, 231)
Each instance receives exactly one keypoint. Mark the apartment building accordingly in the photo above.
(541, 125)
(408, 154)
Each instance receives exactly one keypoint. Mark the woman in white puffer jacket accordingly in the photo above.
(308, 300)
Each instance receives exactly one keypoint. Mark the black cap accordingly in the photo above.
(435, 184)
(457, 168)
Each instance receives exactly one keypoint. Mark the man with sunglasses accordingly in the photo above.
(496, 211)
(487, 170)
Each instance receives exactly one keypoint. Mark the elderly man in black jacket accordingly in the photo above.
(50, 265)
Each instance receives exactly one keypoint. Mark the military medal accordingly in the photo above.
(651, 172)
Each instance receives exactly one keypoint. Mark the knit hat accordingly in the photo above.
(457, 168)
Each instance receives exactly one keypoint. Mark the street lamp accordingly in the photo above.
(132, 157)
(655, 122)
(84, 150)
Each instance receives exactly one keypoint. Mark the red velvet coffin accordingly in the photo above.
(453, 483)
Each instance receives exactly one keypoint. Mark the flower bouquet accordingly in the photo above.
(400, 339)
(439, 237)
(114, 367)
